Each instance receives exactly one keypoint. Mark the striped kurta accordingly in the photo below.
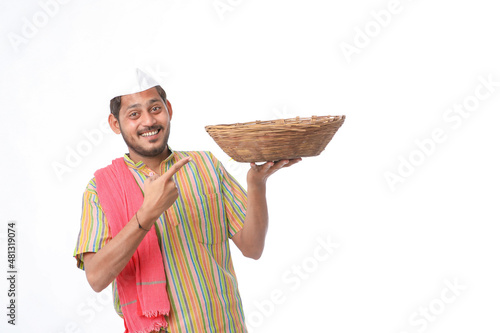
(194, 234)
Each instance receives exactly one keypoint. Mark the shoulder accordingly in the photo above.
(91, 186)
(116, 164)
(90, 195)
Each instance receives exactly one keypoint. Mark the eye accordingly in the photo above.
(133, 114)
(155, 109)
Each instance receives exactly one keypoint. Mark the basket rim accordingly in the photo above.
(283, 122)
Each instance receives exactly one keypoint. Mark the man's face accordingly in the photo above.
(144, 122)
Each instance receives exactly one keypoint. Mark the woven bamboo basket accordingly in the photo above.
(274, 140)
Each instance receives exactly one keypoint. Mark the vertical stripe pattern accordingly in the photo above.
(194, 234)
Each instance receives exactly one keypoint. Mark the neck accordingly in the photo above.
(153, 162)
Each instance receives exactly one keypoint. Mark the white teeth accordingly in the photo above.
(149, 133)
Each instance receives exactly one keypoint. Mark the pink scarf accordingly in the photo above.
(142, 286)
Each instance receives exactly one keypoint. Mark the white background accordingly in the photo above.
(259, 59)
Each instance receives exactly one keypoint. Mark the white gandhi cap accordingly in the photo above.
(132, 81)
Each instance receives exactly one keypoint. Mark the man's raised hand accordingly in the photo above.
(160, 192)
(258, 174)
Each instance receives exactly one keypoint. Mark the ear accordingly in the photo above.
(169, 108)
(113, 123)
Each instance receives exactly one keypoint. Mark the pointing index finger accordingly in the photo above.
(176, 167)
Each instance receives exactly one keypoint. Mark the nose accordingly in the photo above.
(148, 119)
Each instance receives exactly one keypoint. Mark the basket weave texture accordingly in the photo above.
(274, 140)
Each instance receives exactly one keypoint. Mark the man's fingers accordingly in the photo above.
(284, 164)
(274, 166)
(176, 167)
(268, 165)
(278, 165)
(153, 177)
(292, 162)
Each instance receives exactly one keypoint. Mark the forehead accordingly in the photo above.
(142, 98)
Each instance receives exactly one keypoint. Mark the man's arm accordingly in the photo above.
(103, 266)
(251, 239)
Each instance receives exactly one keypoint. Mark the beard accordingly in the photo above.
(152, 151)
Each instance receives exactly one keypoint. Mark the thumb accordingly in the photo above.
(151, 178)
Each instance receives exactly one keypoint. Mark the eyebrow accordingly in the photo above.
(133, 106)
(154, 100)
(151, 101)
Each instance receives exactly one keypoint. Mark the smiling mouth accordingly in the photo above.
(150, 133)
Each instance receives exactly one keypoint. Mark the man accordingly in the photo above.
(157, 223)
